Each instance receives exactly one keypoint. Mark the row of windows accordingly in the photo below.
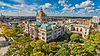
(77, 29)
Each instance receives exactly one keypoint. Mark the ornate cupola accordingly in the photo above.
(41, 16)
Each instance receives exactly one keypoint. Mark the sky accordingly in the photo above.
(50, 7)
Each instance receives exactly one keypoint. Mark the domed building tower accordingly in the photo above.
(41, 16)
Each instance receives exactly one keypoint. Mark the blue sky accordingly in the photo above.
(51, 7)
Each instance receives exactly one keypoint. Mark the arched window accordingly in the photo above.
(73, 29)
(77, 29)
(68, 29)
(81, 29)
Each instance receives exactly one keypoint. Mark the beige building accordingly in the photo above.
(81, 29)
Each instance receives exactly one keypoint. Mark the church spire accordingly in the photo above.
(41, 9)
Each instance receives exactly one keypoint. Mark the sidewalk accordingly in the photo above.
(3, 50)
(4, 47)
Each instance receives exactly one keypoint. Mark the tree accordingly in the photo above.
(63, 51)
(51, 54)
(38, 54)
(5, 32)
(46, 48)
(20, 47)
(75, 38)
(0, 23)
(9, 33)
(39, 45)
(54, 47)
(92, 43)
(67, 37)
(18, 29)
(69, 33)
(32, 43)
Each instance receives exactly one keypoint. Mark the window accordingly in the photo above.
(73, 29)
(55, 31)
(59, 30)
(43, 38)
(81, 29)
(68, 29)
(85, 32)
(77, 29)
(49, 38)
(59, 33)
(49, 33)
(43, 33)
(55, 36)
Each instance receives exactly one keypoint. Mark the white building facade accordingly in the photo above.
(96, 19)
(83, 30)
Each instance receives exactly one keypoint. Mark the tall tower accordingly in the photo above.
(41, 16)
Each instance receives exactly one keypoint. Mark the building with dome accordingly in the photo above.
(42, 29)
(41, 16)
(48, 31)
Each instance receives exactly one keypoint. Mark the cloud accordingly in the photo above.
(2, 7)
(17, 13)
(33, 6)
(65, 8)
(97, 9)
(91, 11)
(89, 8)
(46, 5)
(84, 4)
(5, 4)
(19, 1)
(62, 2)
(82, 11)
(27, 8)
(2, 4)
(20, 8)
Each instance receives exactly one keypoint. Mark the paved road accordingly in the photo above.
(4, 47)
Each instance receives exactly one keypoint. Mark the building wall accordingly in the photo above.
(84, 31)
(50, 35)
(96, 19)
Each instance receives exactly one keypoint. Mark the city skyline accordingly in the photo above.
(51, 7)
